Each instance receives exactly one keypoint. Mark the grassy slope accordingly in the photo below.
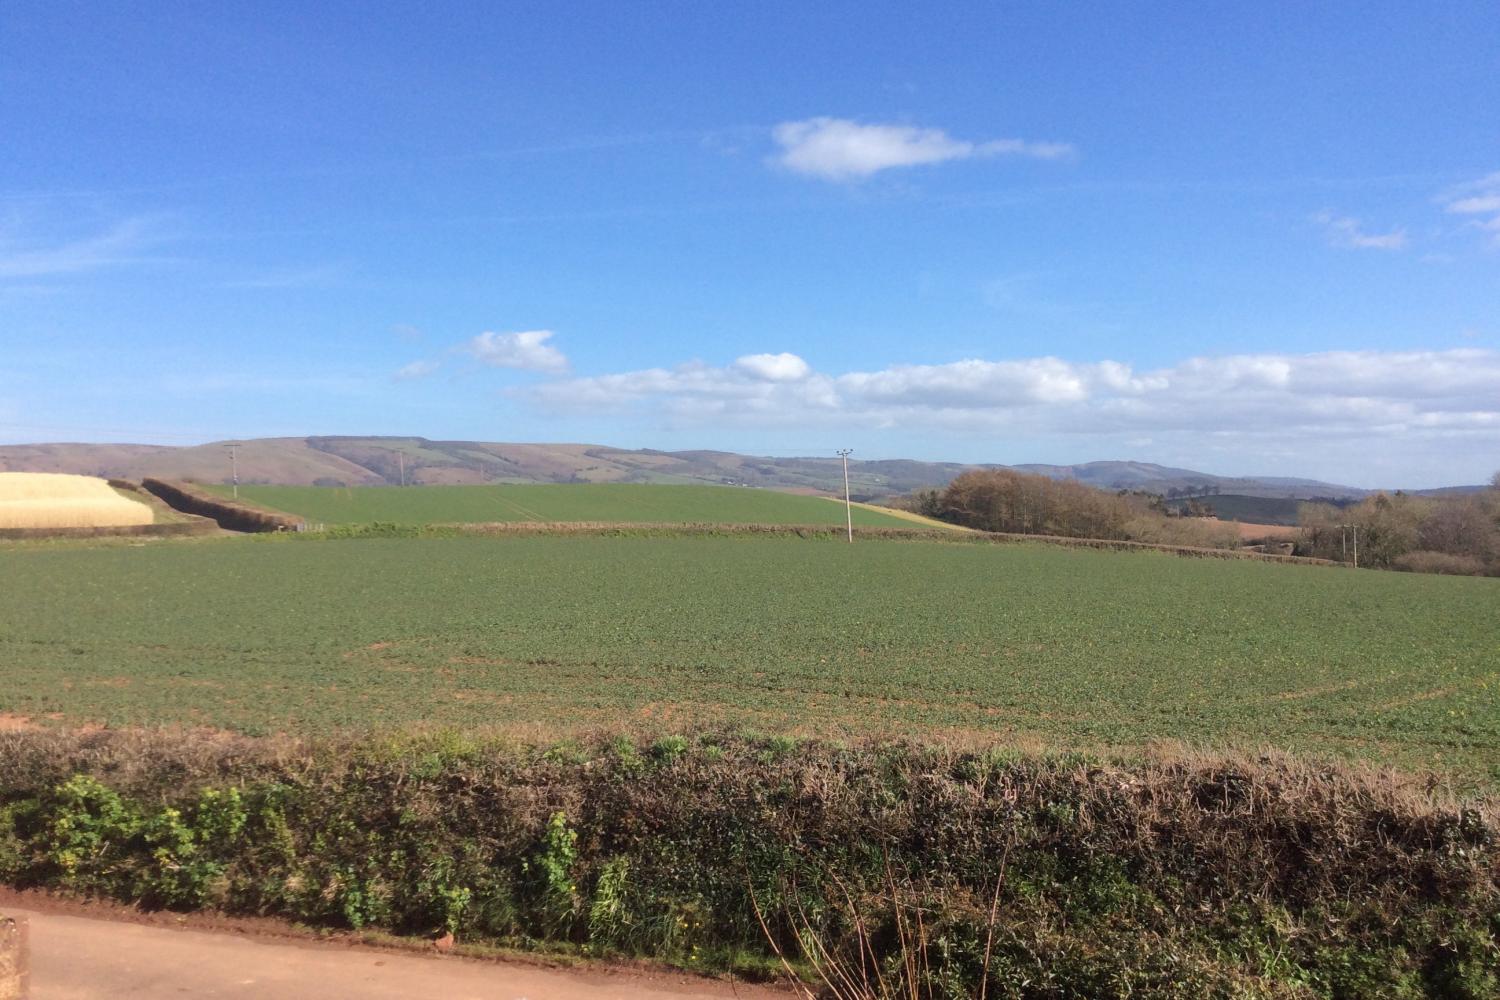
(548, 635)
(161, 513)
(556, 502)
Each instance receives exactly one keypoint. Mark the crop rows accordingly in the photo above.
(551, 635)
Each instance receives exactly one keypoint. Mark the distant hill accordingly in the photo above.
(1161, 478)
(1249, 509)
(359, 461)
(1449, 491)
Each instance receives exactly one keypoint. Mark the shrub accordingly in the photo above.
(1003, 500)
(1438, 562)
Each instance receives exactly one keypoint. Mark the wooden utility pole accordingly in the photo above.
(848, 504)
(234, 469)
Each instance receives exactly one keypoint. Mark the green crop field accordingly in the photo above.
(550, 635)
(555, 502)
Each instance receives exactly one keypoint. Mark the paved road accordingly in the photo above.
(83, 958)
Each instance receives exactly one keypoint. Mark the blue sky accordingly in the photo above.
(1237, 237)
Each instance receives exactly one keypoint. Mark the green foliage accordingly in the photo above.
(551, 870)
(669, 748)
(1227, 879)
(88, 827)
(1069, 647)
(611, 922)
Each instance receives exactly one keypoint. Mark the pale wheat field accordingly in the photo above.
(55, 500)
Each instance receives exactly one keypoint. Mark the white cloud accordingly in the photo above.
(781, 367)
(1478, 198)
(527, 350)
(1343, 231)
(840, 149)
(1475, 205)
(415, 370)
(120, 244)
(1304, 396)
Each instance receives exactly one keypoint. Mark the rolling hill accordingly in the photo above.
(373, 461)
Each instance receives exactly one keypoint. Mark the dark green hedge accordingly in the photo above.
(1156, 878)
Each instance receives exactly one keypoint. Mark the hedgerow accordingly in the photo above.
(1036, 876)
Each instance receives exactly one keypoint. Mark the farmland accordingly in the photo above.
(39, 500)
(555, 502)
(1254, 510)
(547, 636)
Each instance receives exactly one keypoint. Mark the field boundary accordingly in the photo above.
(235, 515)
(723, 853)
(818, 531)
(181, 529)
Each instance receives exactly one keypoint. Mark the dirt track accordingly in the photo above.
(76, 957)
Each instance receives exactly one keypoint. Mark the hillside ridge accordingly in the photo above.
(334, 460)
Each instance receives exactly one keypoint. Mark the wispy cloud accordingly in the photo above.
(122, 243)
(1344, 231)
(840, 149)
(1479, 201)
(313, 276)
(416, 370)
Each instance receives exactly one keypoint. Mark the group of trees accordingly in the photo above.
(1200, 490)
(1010, 501)
(1458, 535)
(1395, 531)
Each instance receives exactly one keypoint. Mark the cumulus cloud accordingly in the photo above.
(527, 350)
(1331, 393)
(781, 367)
(1343, 231)
(839, 149)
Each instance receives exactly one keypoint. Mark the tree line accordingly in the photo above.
(1457, 535)
(1022, 503)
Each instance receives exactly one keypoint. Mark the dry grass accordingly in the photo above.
(906, 515)
(1266, 532)
(55, 500)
